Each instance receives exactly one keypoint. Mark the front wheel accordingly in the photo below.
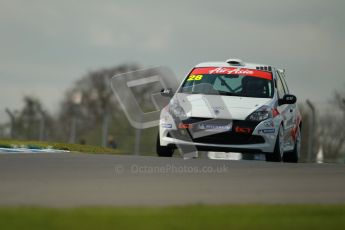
(277, 154)
(163, 151)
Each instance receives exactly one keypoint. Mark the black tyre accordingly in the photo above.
(163, 151)
(278, 152)
(293, 156)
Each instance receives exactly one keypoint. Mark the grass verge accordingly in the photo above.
(185, 217)
(59, 146)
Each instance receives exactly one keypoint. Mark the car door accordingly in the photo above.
(285, 110)
(291, 123)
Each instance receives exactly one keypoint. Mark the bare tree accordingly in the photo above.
(99, 115)
(30, 122)
(332, 134)
(97, 104)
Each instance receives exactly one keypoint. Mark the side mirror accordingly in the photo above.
(288, 99)
(167, 92)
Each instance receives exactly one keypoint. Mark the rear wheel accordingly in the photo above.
(293, 156)
(277, 154)
(163, 151)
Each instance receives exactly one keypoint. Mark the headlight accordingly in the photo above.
(261, 114)
(177, 111)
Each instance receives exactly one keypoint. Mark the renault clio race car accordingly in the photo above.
(232, 106)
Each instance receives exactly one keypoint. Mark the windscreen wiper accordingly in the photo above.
(228, 93)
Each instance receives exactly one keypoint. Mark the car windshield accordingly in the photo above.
(229, 81)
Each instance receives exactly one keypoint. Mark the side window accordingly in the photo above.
(282, 76)
(280, 87)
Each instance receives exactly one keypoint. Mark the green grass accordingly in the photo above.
(59, 146)
(290, 217)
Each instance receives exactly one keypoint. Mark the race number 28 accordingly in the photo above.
(194, 78)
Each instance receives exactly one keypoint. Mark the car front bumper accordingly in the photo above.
(260, 139)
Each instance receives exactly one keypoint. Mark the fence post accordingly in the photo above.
(13, 119)
(311, 130)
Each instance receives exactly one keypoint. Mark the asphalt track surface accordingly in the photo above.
(75, 179)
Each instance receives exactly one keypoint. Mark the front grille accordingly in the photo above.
(222, 138)
(230, 138)
(235, 123)
(191, 120)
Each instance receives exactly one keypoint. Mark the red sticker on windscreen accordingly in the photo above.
(231, 70)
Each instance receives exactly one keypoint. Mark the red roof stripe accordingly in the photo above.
(232, 70)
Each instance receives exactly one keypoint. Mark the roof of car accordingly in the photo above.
(226, 64)
(234, 63)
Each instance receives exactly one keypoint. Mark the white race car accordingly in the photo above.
(232, 106)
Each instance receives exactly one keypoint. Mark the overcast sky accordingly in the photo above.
(47, 45)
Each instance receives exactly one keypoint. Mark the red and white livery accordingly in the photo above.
(232, 106)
